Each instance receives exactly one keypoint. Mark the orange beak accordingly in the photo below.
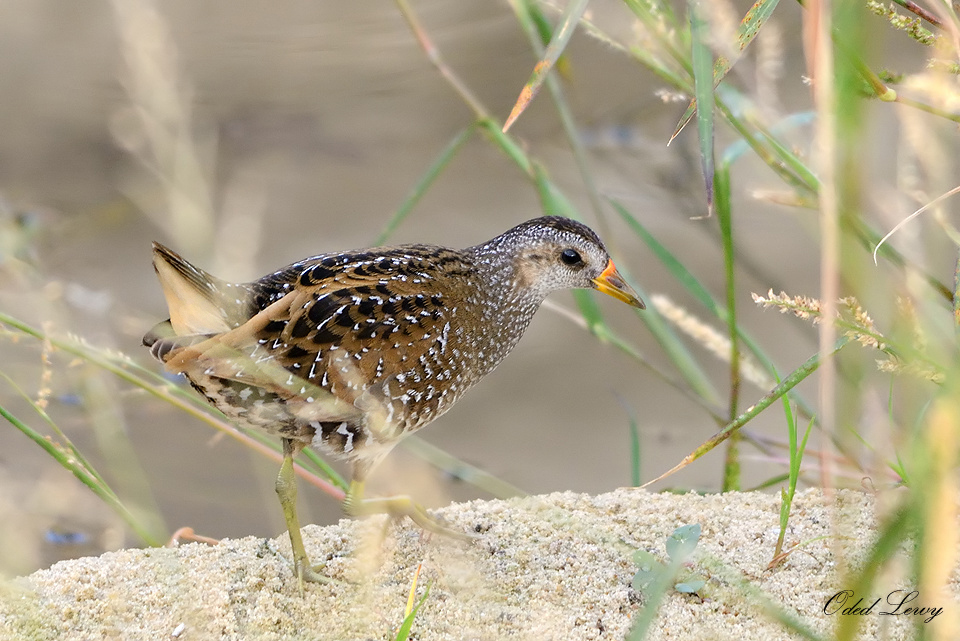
(610, 282)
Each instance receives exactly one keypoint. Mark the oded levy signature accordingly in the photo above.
(896, 605)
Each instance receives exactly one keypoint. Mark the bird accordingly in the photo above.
(348, 352)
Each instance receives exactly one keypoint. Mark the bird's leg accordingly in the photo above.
(396, 506)
(287, 491)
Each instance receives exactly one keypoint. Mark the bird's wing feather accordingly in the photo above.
(382, 309)
(237, 355)
(345, 322)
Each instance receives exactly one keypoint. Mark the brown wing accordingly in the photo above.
(381, 312)
(361, 327)
(239, 355)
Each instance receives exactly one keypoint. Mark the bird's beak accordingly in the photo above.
(611, 282)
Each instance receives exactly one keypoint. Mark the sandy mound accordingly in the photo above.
(547, 567)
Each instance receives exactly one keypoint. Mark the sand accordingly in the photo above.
(546, 567)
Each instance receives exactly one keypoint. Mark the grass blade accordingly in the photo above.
(404, 632)
(885, 548)
(692, 285)
(799, 374)
(634, 441)
(731, 467)
(433, 171)
(460, 470)
(557, 44)
(86, 475)
(703, 90)
(535, 25)
(544, 32)
(677, 269)
(749, 27)
(127, 370)
(725, 218)
(552, 202)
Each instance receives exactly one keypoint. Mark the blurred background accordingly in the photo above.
(248, 136)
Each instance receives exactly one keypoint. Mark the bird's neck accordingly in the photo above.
(510, 291)
(508, 307)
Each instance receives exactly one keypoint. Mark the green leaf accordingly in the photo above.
(649, 570)
(690, 587)
(683, 541)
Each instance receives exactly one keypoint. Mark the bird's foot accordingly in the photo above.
(311, 574)
(307, 573)
(399, 507)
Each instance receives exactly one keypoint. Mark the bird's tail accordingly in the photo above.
(194, 297)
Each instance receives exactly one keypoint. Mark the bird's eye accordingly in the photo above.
(570, 257)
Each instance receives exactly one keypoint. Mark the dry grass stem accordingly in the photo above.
(157, 128)
(712, 339)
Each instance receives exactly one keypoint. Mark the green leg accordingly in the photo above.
(287, 491)
(397, 506)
